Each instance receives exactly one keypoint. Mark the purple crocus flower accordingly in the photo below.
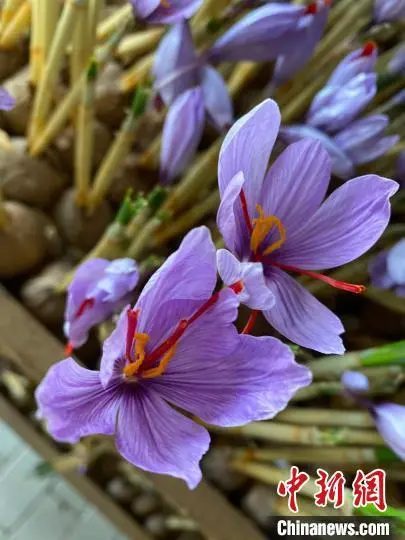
(349, 90)
(165, 11)
(389, 10)
(389, 417)
(99, 288)
(311, 29)
(278, 219)
(195, 92)
(361, 142)
(387, 269)
(397, 63)
(177, 350)
(7, 101)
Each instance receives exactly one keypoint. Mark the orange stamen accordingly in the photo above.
(165, 3)
(141, 340)
(160, 369)
(261, 228)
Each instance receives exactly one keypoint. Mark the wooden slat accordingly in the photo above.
(34, 350)
(86, 487)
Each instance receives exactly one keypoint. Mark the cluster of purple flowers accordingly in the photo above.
(176, 360)
(333, 115)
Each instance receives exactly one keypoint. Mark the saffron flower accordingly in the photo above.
(267, 32)
(195, 92)
(351, 87)
(99, 288)
(389, 10)
(387, 269)
(361, 142)
(389, 417)
(7, 101)
(311, 29)
(278, 220)
(165, 11)
(177, 350)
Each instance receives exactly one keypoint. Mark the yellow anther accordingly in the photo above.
(165, 3)
(158, 370)
(261, 228)
(141, 340)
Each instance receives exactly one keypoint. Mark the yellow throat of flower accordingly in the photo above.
(262, 225)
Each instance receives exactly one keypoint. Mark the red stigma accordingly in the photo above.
(342, 285)
(132, 316)
(87, 304)
(251, 322)
(245, 211)
(237, 287)
(369, 48)
(68, 349)
(311, 9)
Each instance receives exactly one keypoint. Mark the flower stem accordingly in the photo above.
(119, 17)
(326, 417)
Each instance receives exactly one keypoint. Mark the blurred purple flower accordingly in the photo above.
(177, 350)
(7, 101)
(310, 29)
(389, 10)
(351, 87)
(389, 417)
(278, 219)
(195, 92)
(361, 142)
(99, 288)
(401, 169)
(262, 35)
(387, 269)
(165, 11)
(182, 133)
(397, 63)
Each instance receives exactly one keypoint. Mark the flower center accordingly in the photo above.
(154, 364)
(261, 228)
(165, 3)
(258, 230)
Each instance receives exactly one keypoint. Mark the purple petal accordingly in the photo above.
(174, 11)
(389, 10)
(255, 294)
(363, 140)
(255, 383)
(262, 35)
(300, 317)
(230, 220)
(397, 63)
(378, 271)
(74, 404)
(182, 132)
(7, 102)
(312, 28)
(296, 183)
(396, 263)
(390, 423)
(113, 357)
(144, 8)
(353, 64)
(355, 381)
(341, 105)
(174, 60)
(153, 436)
(342, 165)
(347, 224)
(179, 287)
(121, 277)
(247, 148)
(216, 98)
